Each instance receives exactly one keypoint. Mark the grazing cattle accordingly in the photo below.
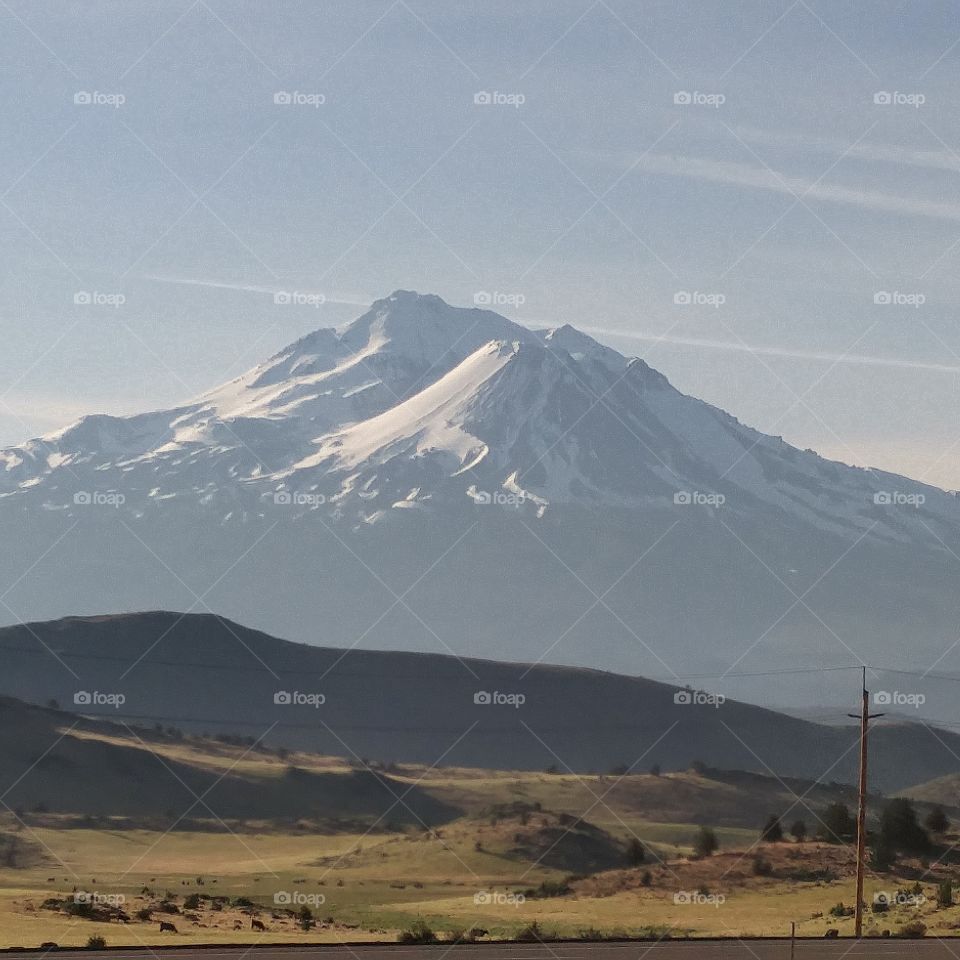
(832, 933)
(164, 925)
(257, 925)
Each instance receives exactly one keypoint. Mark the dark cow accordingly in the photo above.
(832, 933)
(164, 925)
(257, 925)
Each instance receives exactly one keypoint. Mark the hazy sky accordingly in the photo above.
(782, 165)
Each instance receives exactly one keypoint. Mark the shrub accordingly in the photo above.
(936, 821)
(882, 855)
(96, 943)
(945, 894)
(799, 831)
(772, 831)
(531, 933)
(636, 853)
(548, 888)
(762, 867)
(705, 843)
(837, 824)
(899, 827)
(418, 932)
(913, 930)
(841, 910)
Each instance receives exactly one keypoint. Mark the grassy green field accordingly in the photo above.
(511, 848)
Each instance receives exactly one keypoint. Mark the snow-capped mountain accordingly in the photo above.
(443, 479)
(417, 404)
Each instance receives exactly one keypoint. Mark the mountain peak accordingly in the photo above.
(413, 296)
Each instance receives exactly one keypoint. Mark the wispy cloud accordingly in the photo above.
(866, 150)
(732, 346)
(255, 288)
(762, 178)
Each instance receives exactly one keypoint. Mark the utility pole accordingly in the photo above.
(865, 716)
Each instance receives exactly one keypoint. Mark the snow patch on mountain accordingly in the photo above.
(418, 404)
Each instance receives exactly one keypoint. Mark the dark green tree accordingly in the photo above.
(900, 829)
(936, 821)
(837, 826)
(772, 832)
(636, 853)
(705, 843)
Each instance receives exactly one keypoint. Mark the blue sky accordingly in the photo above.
(787, 167)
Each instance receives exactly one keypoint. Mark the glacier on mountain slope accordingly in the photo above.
(417, 403)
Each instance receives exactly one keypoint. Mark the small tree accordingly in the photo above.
(936, 821)
(655, 770)
(899, 828)
(837, 826)
(799, 831)
(705, 843)
(305, 918)
(945, 894)
(772, 832)
(636, 853)
(882, 855)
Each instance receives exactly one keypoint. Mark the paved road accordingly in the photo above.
(928, 949)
